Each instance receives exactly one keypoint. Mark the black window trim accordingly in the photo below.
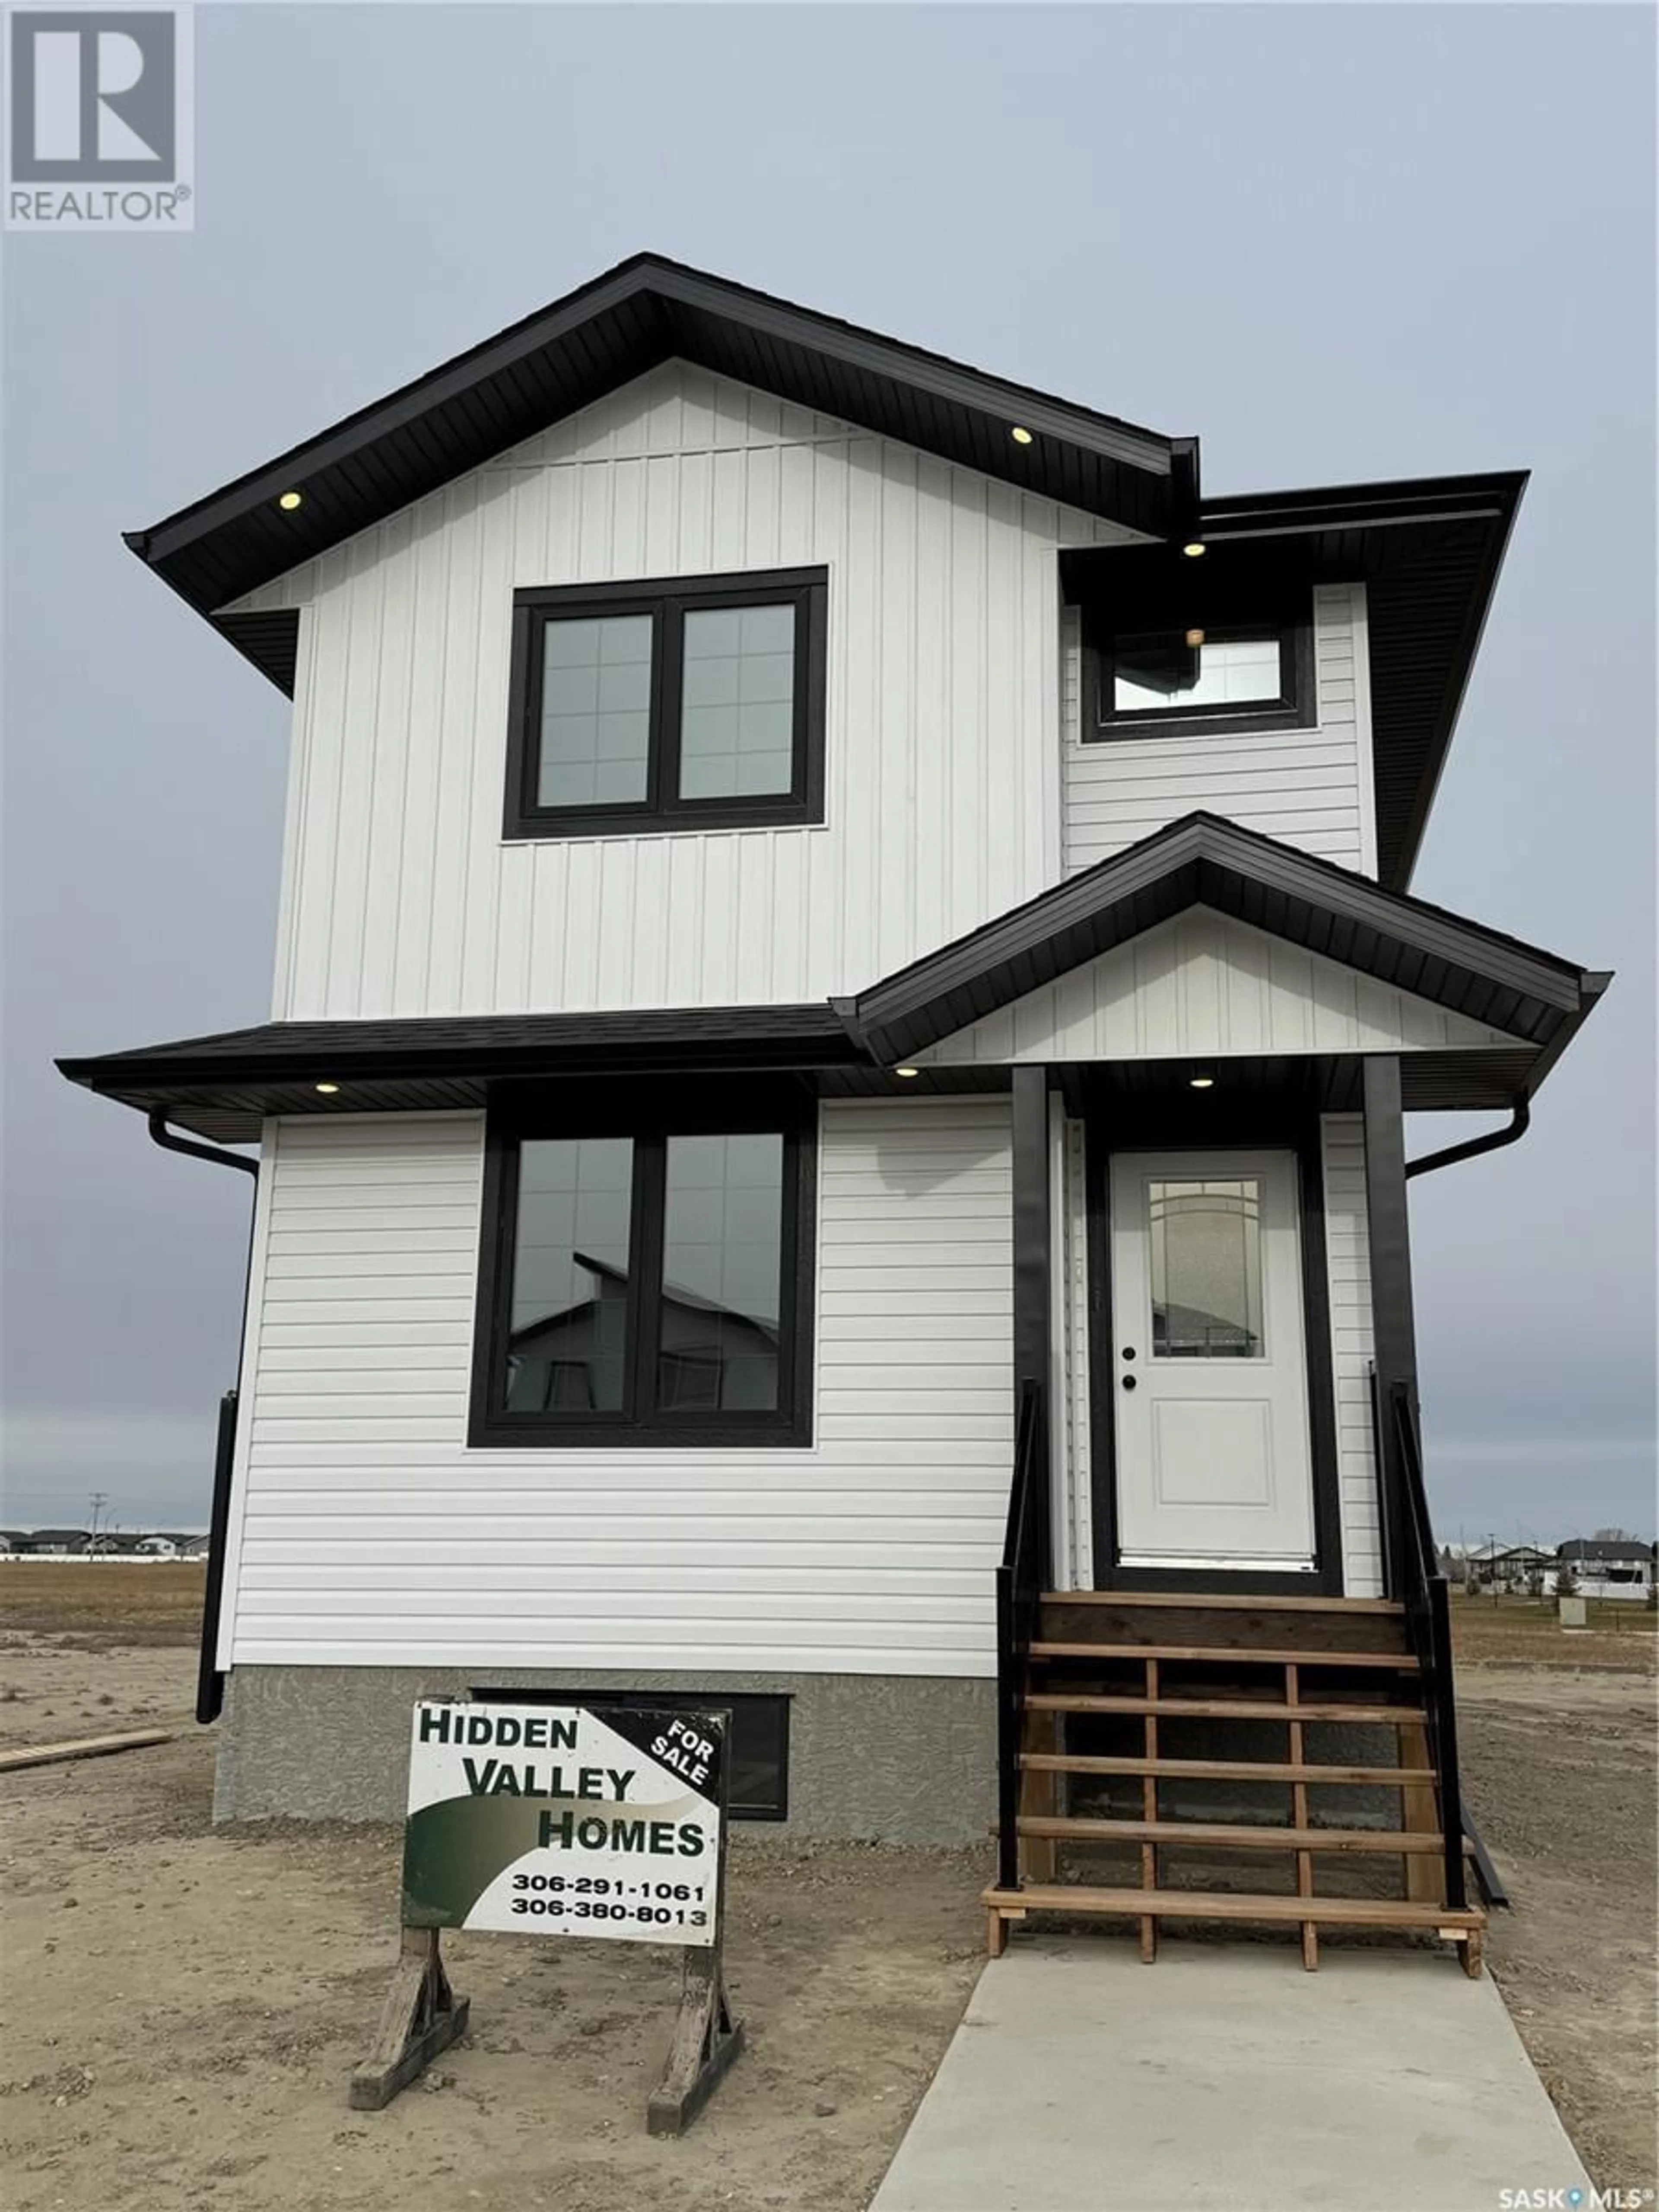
(1297, 708)
(667, 600)
(605, 1109)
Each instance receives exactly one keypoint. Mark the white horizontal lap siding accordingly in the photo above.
(1348, 1245)
(942, 800)
(1204, 984)
(1310, 787)
(369, 1533)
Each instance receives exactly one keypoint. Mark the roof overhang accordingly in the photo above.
(223, 1086)
(645, 311)
(1428, 550)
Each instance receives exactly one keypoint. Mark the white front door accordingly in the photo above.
(1209, 1364)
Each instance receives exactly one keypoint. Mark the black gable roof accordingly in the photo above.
(646, 310)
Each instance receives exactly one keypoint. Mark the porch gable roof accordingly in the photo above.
(1535, 997)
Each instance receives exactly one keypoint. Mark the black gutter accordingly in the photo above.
(161, 1134)
(209, 1681)
(1471, 1147)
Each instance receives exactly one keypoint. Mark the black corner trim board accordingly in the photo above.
(1533, 997)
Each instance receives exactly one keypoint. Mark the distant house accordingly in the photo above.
(1510, 1567)
(156, 1547)
(61, 1543)
(1610, 1567)
(193, 1547)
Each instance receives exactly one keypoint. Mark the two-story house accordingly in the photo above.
(832, 1130)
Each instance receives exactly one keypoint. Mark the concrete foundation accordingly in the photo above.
(891, 1758)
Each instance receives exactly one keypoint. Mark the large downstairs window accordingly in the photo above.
(693, 703)
(647, 1281)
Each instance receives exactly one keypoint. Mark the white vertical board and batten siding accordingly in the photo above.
(369, 1533)
(1310, 787)
(1348, 1259)
(942, 800)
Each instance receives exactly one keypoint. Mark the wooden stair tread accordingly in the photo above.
(1402, 1662)
(1221, 1770)
(1202, 1602)
(1233, 1905)
(1223, 1709)
(1233, 1836)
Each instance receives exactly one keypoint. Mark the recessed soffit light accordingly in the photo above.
(327, 1090)
(1020, 434)
(1195, 550)
(290, 499)
(906, 1071)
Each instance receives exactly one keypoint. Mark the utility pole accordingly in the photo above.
(99, 1498)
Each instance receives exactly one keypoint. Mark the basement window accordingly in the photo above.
(758, 1788)
(693, 703)
(646, 1281)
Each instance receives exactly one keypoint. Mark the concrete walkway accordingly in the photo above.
(1227, 2080)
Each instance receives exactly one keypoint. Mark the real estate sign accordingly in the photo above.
(563, 1821)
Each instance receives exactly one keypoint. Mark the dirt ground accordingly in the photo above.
(185, 2005)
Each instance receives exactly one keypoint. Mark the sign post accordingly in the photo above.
(562, 1820)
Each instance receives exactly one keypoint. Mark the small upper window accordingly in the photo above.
(1236, 675)
(693, 703)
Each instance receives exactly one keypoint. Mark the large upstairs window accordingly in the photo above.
(693, 703)
(646, 1281)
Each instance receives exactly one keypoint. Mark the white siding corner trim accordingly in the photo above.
(1348, 1259)
(1204, 984)
(368, 1533)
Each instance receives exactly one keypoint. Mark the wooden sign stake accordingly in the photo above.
(706, 2041)
(422, 2016)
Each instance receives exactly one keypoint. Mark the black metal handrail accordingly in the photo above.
(1421, 1587)
(209, 1682)
(1021, 1580)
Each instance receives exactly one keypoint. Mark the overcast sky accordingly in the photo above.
(1338, 243)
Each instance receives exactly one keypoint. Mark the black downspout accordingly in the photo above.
(1471, 1147)
(209, 1682)
(1485, 1874)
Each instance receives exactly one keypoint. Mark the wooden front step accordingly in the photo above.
(1230, 1836)
(1217, 1709)
(1252, 1654)
(1228, 1603)
(1224, 1770)
(1150, 1906)
(1299, 1628)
